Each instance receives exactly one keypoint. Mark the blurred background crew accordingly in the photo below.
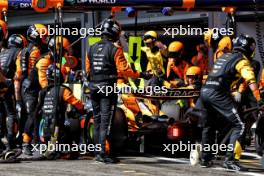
(219, 43)
(155, 52)
(36, 81)
(201, 59)
(177, 66)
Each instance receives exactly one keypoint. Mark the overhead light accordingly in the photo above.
(131, 12)
(167, 11)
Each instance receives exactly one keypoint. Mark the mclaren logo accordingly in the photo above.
(102, 1)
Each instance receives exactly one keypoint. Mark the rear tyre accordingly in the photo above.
(119, 130)
(88, 130)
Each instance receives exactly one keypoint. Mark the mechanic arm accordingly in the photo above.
(246, 71)
(163, 48)
(42, 72)
(70, 99)
(17, 80)
(169, 66)
(122, 65)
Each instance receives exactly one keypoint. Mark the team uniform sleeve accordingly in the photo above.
(123, 68)
(70, 99)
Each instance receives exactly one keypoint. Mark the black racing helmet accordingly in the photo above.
(17, 41)
(245, 44)
(111, 28)
(37, 33)
(52, 73)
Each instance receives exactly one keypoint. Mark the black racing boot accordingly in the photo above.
(27, 149)
(108, 160)
(206, 164)
(99, 158)
(234, 165)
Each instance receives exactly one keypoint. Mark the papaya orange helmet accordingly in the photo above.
(194, 71)
(60, 41)
(175, 49)
(194, 75)
(150, 36)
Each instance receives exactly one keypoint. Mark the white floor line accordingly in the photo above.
(251, 154)
(186, 161)
(240, 173)
(250, 173)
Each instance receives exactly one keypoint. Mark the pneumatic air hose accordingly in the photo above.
(259, 33)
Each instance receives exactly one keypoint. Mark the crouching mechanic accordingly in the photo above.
(48, 101)
(216, 96)
(105, 63)
(36, 81)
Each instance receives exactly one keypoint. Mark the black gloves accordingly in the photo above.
(145, 75)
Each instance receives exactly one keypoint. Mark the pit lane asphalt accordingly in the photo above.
(143, 165)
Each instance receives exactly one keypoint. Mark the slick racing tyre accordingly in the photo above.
(118, 134)
(119, 130)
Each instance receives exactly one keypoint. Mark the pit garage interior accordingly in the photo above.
(146, 20)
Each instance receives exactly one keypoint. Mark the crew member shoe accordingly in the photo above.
(98, 158)
(27, 149)
(108, 160)
(206, 164)
(234, 165)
